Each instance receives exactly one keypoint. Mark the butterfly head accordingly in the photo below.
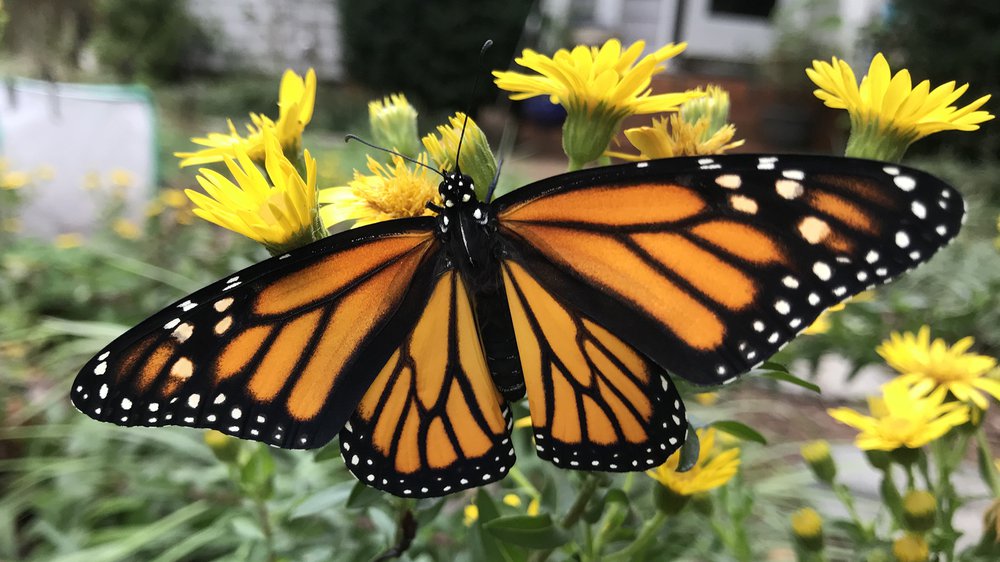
(457, 191)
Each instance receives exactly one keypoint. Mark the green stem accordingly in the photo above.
(610, 521)
(986, 456)
(522, 482)
(574, 514)
(265, 526)
(845, 497)
(641, 542)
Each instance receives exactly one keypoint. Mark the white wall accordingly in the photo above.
(271, 35)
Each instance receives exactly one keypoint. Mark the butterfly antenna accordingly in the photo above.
(493, 184)
(349, 138)
(475, 90)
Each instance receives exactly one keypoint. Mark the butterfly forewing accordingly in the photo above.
(708, 266)
(279, 352)
(432, 422)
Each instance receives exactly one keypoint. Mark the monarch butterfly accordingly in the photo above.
(412, 337)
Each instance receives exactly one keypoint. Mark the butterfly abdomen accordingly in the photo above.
(499, 342)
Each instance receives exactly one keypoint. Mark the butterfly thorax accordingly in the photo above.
(467, 228)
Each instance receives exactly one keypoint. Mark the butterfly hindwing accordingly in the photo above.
(279, 352)
(710, 265)
(432, 422)
(596, 403)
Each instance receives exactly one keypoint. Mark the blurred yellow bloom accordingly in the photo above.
(91, 181)
(69, 240)
(122, 178)
(173, 198)
(887, 112)
(534, 506)
(14, 180)
(387, 193)
(512, 500)
(919, 510)
(393, 123)
(713, 105)
(471, 513)
(672, 136)
(126, 229)
(713, 468)
(296, 100)
(903, 416)
(926, 364)
(45, 172)
(598, 86)
(277, 209)
(707, 398)
(911, 548)
(477, 159)
(521, 423)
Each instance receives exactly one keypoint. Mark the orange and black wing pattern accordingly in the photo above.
(595, 402)
(708, 266)
(432, 423)
(280, 352)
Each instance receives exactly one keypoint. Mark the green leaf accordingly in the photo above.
(426, 515)
(331, 451)
(529, 531)
(785, 376)
(485, 546)
(689, 451)
(740, 430)
(333, 497)
(772, 366)
(256, 476)
(363, 496)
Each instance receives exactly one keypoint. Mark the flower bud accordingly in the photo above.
(712, 106)
(477, 158)
(878, 459)
(911, 548)
(394, 124)
(224, 447)
(587, 133)
(904, 456)
(807, 526)
(817, 454)
(919, 510)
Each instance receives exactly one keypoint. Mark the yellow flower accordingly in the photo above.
(173, 198)
(296, 100)
(521, 423)
(534, 506)
(69, 240)
(817, 455)
(821, 324)
(707, 398)
(394, 124)
(887, 112)
(280, 213)
(926, 364)
(121, 178)
(477, 158)
(388, 193)
(14, 180)
(512, 500)
(598, 87)
(911, 548)
(713, 468)
(126, 229)
(471, 513)
(919, 510)
(903, 416)
(673, 136)
(807, 526)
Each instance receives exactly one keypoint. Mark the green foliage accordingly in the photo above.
(964, 47)
(150, 39)
(430, 50)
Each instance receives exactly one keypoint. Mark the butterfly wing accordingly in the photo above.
(595, 403)
(708, 266)
(280, 352)
(432, 422)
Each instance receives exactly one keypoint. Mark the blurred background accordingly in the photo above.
(95, 232)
